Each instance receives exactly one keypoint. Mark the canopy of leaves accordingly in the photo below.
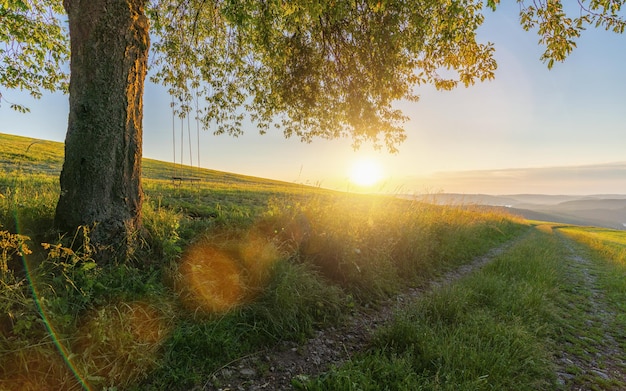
(33, 47)
(327, 68)
(557, 31)
(334, 68)
(315, 68)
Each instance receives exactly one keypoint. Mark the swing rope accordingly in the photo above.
(179, 164)
(174, 134)
(185, 111)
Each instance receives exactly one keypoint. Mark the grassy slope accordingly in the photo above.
(28, 165)
(34, 156)
(296, 258)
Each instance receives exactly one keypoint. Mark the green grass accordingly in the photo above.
(489, 331)
(31, 156)
(228, 266)
(23, 155)
(607, 251)
(505, 327)
(231, 265)
(295, 302)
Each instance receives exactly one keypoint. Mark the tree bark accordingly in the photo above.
(101, 177)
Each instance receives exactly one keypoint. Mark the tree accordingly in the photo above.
(101, 177)
(330, 68)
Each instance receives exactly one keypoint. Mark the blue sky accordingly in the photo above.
(531, 130)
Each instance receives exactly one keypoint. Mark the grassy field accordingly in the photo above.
(232, 265)
(546, 315)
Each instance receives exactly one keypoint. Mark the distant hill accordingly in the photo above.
(602, 210)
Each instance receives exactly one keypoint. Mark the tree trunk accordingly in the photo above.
(101, 177)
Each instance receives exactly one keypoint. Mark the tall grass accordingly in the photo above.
(372, 246)
(282, 259)
(513, 325)
(491, 331)
(295, 302)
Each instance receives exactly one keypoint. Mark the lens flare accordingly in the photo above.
(212, 279)
(257, 257)
(218, 275)
(37, 370)
(56, 375)
(115, 343)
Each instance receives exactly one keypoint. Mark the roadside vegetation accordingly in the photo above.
(545, 315)
(232, 265)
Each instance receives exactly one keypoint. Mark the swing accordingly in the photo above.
(178, 175)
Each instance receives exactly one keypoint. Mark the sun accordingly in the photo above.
(366, 172)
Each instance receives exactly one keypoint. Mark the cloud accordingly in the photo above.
(609, 178)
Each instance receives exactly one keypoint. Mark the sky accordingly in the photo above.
(531, 130)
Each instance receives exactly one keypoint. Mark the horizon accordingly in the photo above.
(531, 130)
(397, 190)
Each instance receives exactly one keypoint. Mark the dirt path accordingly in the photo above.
(595, 361)
(274, 369)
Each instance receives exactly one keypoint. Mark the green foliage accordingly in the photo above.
(27, 203)
(28, 186)
(111, 321)
(18, 312)
(29, 359)
(608, 243)
(72, 272)
(118, 344)
(35, 47)
(163, 227)
(288, 64)
(558, 31)
(377, 372)
(334, 69)
(339, 241)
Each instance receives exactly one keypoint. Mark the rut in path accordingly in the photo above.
(601, 359)
(329, 346)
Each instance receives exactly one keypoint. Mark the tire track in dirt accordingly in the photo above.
(600, 363)
(331, 346)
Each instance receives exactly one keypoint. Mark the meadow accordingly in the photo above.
(230, 266)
